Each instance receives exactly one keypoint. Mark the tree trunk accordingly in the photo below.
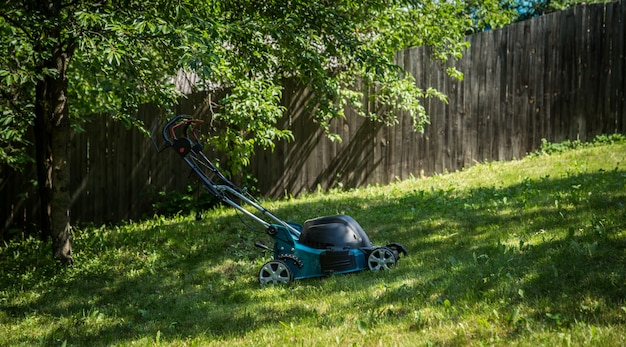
(52, 135)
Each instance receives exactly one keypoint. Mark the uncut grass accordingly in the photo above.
(525, 252)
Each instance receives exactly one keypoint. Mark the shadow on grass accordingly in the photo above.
(556, 245)
(552, 248)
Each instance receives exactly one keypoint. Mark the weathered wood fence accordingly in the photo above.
(560, 76)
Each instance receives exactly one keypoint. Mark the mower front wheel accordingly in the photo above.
(275, 272)
(381, 258)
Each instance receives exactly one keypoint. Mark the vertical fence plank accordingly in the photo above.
(617, 85)
(499, 79)
(470, 86)
(536, 85)
(610, 70)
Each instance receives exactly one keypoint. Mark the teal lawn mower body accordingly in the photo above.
(320, 247)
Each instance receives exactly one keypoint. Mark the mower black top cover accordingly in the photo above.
(338, 231)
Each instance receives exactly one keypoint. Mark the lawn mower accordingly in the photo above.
(320, 247)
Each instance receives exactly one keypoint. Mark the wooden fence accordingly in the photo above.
(560, 77)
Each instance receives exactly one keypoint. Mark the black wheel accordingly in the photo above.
(381, 258)
(400, 249)
(275, 272)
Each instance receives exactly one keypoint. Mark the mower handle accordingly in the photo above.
(169, 130)
(184, 145)
(198, 162)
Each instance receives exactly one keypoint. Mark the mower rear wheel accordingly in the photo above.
(381, 258)
(275, 272)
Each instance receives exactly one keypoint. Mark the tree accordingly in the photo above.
(71, 58)
(97, 56)
(526, 9)
(490, 14)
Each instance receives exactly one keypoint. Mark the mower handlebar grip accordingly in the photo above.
(168, 127)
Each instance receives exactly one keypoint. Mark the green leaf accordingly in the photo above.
(362, 326)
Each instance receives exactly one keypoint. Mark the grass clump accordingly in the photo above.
(527, 252)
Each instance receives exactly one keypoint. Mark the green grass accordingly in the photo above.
(528, 252)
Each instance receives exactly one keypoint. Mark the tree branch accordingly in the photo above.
(16, 24)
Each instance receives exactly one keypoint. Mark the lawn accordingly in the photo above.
(527, 252)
